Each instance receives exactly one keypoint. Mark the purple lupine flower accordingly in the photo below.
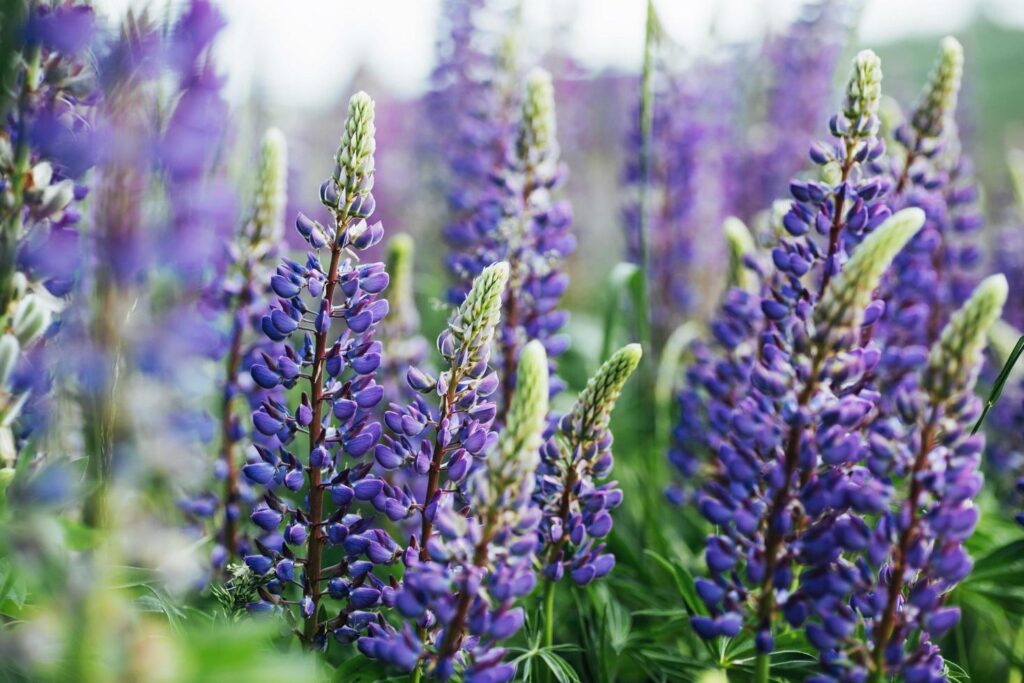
(472, 113)
(479, 564)
(882, 560)
(802, 407)
(572, 490)
(338, 411)
(522, 224)
(535, 238)
(434, 447)
(45, 149)
(825, 220)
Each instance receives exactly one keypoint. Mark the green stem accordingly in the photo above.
(762, 667)
(549, 613)
(416, 674)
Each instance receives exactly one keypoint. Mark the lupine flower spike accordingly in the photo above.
(436, 449)
(575, 461)
(336, 415)
(825, 221)
(876, 598)
(484, 559)
(244, 295)
(766, 492)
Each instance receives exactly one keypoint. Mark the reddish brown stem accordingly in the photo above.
(453, 634)
(316, 493)
(773, 541)
(837, 218)
(885, 628)
(234, 363)
(434, 476)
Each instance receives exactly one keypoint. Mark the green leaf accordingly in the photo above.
(560, 668)
(997, 388)
(684, 583)
(624, 279)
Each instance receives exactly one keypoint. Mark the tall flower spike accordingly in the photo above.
(939, 269)
(576, 505)
(878, 574)
(440, 454)
(338, 412)
(46, 146)
(501, 501)
(535, 238)
(801, 406)
(826, 220)
(242, 296)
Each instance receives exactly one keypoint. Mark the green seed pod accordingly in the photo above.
(9, 350)
(30, 318)
(938, 101)
(741, 244)
(473, 325)
(841, 308)
(954, 360)
(593, 407)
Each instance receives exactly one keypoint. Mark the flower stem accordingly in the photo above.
(549, 613)
(316, 489)
(762, 667)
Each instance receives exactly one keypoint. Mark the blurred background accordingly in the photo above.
(294, 65)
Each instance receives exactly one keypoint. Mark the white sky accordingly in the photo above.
(303, 52)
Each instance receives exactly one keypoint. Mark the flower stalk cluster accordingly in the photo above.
(571, 489)
(335, 416)
(529, 230)
(44, 153)
(242, 295)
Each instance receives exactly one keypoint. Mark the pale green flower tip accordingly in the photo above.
(992, 294)
(939, 99)
(532, 381)
(271, 187)
(537, 133)
(399, 259)
(842, 306)
(631, 355)
(355, 154)
(952, 52)
(904, 224)
(496, 273)
(955, 358)
(741, 244)
(738, 235)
